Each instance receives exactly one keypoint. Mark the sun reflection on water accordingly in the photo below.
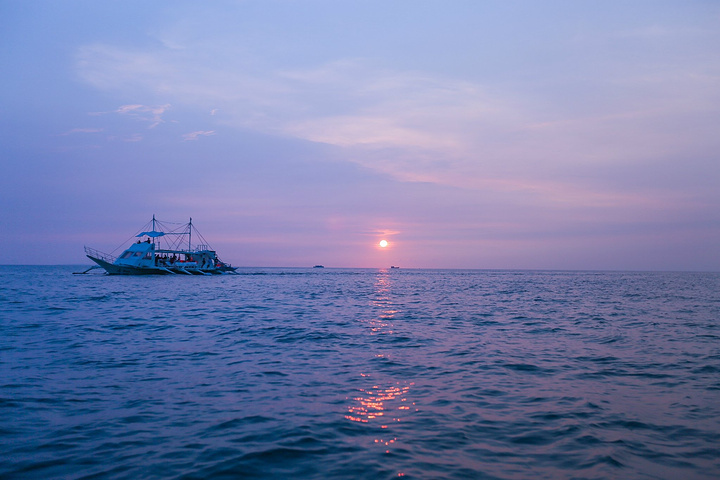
(385, 403)
(382, 323)
(379, 403)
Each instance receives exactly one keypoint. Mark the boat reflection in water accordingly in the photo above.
(381, 403)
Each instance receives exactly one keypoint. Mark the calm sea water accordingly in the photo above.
(368, 374)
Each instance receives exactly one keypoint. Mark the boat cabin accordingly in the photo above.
(140, 254)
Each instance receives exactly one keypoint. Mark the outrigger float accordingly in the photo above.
(160, 251)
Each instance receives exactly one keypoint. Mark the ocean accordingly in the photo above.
(359, 374)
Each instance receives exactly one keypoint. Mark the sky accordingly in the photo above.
(466, 133)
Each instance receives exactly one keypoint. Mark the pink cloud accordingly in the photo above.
(147, 113)
(195, 135)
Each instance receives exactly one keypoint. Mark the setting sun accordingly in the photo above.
(383, 243)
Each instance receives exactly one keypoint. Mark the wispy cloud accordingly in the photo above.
(419, 126)
(197, 134)
(83, 130)
(152, 114)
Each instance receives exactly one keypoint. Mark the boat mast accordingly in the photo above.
(153, 228)
(189, 234)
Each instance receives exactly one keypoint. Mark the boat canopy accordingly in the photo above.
(151, 234)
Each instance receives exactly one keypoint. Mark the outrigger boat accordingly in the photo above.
(161, 250)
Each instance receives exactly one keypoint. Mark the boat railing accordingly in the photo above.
(98, 254)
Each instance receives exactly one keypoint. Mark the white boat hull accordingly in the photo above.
(113, 269)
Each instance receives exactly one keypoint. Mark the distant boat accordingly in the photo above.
(319, 266)
(148, 257)
(393, 266)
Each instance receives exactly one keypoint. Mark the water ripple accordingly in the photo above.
(295, 373)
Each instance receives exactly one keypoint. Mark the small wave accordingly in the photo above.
(527, 368)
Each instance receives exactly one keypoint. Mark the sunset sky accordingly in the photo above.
(468, 134)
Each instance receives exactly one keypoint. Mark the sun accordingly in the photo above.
(383, 243)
